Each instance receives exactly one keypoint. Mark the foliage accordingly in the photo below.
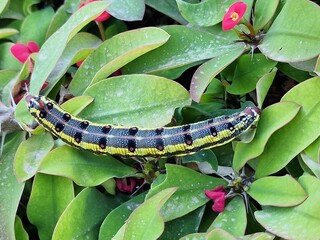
(49, 190)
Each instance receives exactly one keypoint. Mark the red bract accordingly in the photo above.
(127, 185)
(22, 51)
(234, 15)
(218, 195)
(102, 17)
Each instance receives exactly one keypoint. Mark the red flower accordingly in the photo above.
(218, 195)
(103, 16)
(234, 15)
(22, 51)
(128, 185)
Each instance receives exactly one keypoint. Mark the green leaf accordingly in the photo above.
(190, 194)
(313, 165)
(233, 219)
(84, 168)
(29, 155)
(77, 104)
(184, 225)
(49, 197)
(248, 69)
(3, 5)
(127, 10)
(19, 231)
(204, 13)
(270, 121)
(146, 222)
(214, 234)
(168, 8)
(299, 222)
(295, 34)
(117, 217)
(124, 99)
(60, 17)
(113, 54)
(6, 32)
(83, 216)
(31, 25)
(207, 71)
(10, 188)
(263, 13)
(263, 86)
(78, 48)
(52, 49)
(281, 191)
(205, 159)
(290, 140)
(185, 48)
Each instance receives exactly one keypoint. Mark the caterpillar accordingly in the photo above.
(140, 142)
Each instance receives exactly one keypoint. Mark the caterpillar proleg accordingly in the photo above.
(140, 142)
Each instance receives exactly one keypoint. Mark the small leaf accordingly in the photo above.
(127, 10)
(190, 194)
(263, 86)
(48, 191)
(207, 71)
(6, 32)
(29, 155)
(19, 232)
(214, 234)
(281, 191)
(123, 100)
(77, 104)
(233, 219)
(84, 168)
(83, 216)
(299, 222)
(117, 217)
(146, 222)
(263, 13)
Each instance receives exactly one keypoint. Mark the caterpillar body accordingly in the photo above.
(136, 141)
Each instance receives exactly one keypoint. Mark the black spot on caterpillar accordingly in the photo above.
(137, 141)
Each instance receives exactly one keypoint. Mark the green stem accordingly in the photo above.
(101, 30)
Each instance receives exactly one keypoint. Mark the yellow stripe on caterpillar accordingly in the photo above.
(136, 141)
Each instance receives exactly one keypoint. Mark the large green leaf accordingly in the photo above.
(185, 47)
(84, 168)
(281, 191)
(146, 221)
(233, 219)
(29, 155)
(10, 188)
(49, 197)
(113, 54)
(269, 122)
(52, 49)
(290, 140)
(190, 194)
(83, 216)
(300, 222)
(123, 100)
(295, 34)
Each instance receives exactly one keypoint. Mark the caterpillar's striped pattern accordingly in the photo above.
(136, 141)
